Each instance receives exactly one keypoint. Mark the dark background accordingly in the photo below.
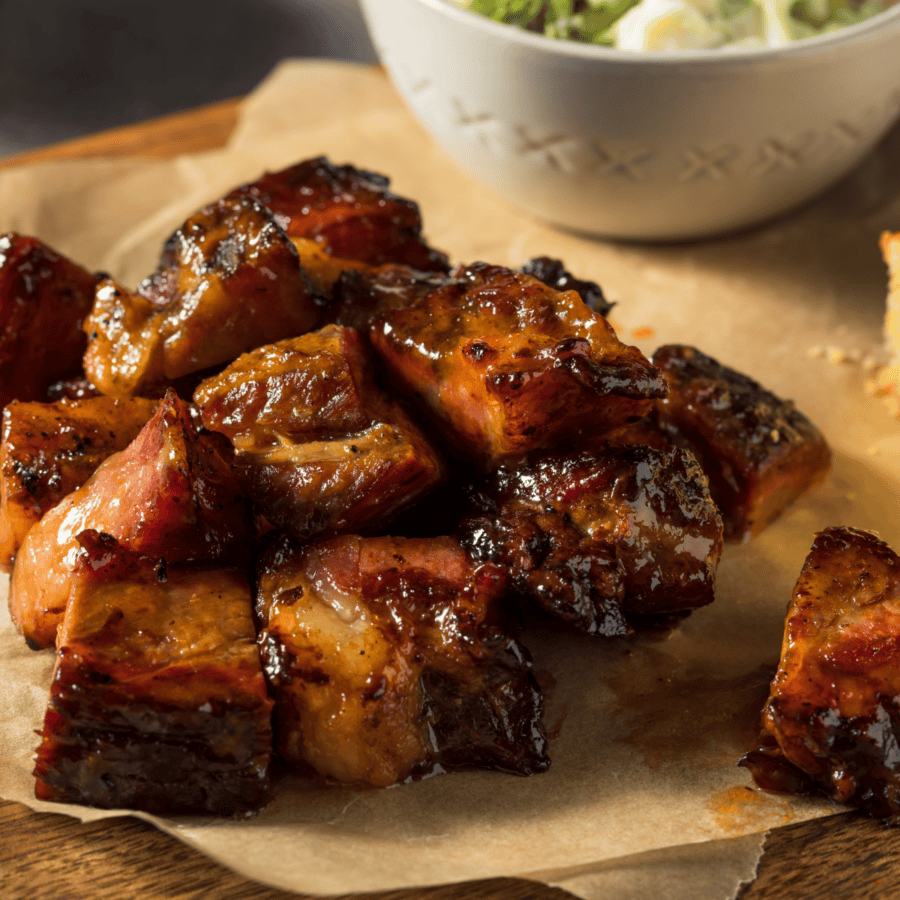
(72, 67)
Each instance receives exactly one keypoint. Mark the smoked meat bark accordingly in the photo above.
(554, 274)
(832, 721)
(388, 659)
(51, 449)
(599, 539)
(229, 280)
(504, 365)
(157, 700)
(348, 212)
(170, 494)
(759, 452)
(319, 448)
(44, 299)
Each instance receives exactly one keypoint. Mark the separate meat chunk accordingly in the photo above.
(554, 274)
(348, 211)
(360, 297)
(388, 659)
(504, 365)
(229, 280)
(598, 539)
(50, 449)
(158, 700)
(832, 721)
(759, 451)
(44, 299)
(170, 495)
(319, 447)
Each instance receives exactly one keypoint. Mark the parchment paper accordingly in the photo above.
(644, 797)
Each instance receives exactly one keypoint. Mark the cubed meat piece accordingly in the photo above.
(158, 700)
(350, 212)
(599, 539)
(554, 274)
(388, 659)
(359, 297)
(50, 449)
(504, 365)
(319, 447)
(44, 299)
(759, 451)
(832, 720)
(169, 494)
(229, 280)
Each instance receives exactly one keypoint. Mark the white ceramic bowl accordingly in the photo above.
(649, 146)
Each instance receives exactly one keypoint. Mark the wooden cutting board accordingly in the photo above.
(50, 857)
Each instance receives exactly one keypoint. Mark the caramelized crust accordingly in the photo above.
(360, 297)
(833, 719)
(44, 299)
(50, 449)
(319, 447)
(229, 280)
(158, 700)
(348, 211)
(388, 659)
(169, 494)
(759, 452)
(554, 274)
(599, 538)
(504, 365)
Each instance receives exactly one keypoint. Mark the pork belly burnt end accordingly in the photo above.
(229, 280)
(388, 659)
(170, 494)
(598, 539)
(759, 451)
(51, 449)
(319, 447)
(158, 700)
(832, 721)
(348, 211)
(505, 365)
(44, 299)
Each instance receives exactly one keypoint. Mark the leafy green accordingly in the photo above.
(578, 20)
(591, 21)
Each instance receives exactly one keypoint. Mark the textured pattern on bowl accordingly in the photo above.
(646, 146)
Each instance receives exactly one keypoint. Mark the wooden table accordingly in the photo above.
(50, 857)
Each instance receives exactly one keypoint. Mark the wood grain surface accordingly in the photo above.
(45, 857)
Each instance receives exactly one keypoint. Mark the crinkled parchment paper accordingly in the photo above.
(644, 797)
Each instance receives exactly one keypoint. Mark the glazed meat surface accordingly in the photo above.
(388, 658)
(170, 494)
(759, 451)
(832, 722)
(554, 274)
(50, 449)
(360, 297)
(44, 299)
(597, 539)
(319, 447)
(348, 211)
(504, 365)
(157, 700)
(229, 280)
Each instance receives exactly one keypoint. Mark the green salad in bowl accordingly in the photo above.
(679, 24)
